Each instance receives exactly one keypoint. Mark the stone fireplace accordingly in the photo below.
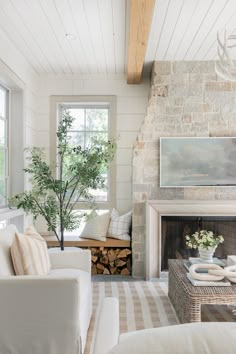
(186, 99)
(156, 210)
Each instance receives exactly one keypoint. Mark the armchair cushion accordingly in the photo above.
(75, 263)
(29, 254)
(85, 299)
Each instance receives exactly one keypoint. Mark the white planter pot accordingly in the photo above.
(67, 249)
(206, 255)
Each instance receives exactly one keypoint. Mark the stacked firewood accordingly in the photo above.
(107, 260)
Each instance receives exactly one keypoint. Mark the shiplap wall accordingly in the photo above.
(131, 108)
(17, 75)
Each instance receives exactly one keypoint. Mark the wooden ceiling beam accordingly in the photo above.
(141, 12)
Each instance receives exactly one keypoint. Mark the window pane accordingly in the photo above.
(2, 132)
(2, 102)
(90, 136)
(97, 119)
(3, 146)
(90, 123)
(100, 195)
(2, 161)
(104, 172)
(3, 224)
(78, 114)
(76, 138)
(2, 192)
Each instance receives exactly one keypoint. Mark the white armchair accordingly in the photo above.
(45, 314)
(190, 338)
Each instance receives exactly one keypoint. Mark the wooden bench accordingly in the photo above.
(74, 241)
(112, 256)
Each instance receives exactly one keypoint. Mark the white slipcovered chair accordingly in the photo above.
(191, 338)
(45, 314)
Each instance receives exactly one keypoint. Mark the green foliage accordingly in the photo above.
(77, 172)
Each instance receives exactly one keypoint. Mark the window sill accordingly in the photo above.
(7, 213)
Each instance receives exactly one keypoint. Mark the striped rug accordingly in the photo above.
(144, 304)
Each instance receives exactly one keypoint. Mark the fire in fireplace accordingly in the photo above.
(175, 228)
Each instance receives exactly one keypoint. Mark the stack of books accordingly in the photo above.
(194, 260)
(195, 282)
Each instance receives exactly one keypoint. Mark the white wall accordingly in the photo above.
(17, 75)
(131, 108)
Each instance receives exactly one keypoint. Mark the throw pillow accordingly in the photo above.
(120, 225)
(29, 253)
(96, 227)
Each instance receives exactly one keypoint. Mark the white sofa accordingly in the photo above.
(192, 338)
(45, 314)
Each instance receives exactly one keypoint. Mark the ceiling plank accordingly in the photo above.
(141, 12)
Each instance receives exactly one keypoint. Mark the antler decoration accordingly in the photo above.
(225, 67)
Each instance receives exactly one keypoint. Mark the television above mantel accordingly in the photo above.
(197, 162)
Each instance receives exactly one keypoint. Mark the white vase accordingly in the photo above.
(206, 254)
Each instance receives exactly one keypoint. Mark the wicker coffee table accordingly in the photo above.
(187, 299)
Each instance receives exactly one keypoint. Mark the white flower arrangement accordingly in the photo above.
(203, 239)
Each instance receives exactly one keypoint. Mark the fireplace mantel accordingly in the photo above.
(155, 209)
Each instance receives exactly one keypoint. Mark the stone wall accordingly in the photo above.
(186, 99)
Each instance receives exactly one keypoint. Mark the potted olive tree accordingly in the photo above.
(57, 188)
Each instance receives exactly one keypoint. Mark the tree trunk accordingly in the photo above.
(62, 238)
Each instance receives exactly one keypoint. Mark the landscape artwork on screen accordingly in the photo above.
(187, 162)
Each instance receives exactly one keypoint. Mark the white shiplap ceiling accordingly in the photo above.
(38, 29)
(180, 30)
(187, 29)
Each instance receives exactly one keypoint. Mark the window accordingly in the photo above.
(3, 145)
(90, 122)
(94, 117)
(3, 224)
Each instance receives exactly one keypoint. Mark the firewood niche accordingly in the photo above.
(112, 256)
(106, 260)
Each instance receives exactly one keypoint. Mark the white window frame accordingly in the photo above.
(7, 136)
(16, 128)
(57, 102)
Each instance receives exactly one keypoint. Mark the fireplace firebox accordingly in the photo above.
(175, 228)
